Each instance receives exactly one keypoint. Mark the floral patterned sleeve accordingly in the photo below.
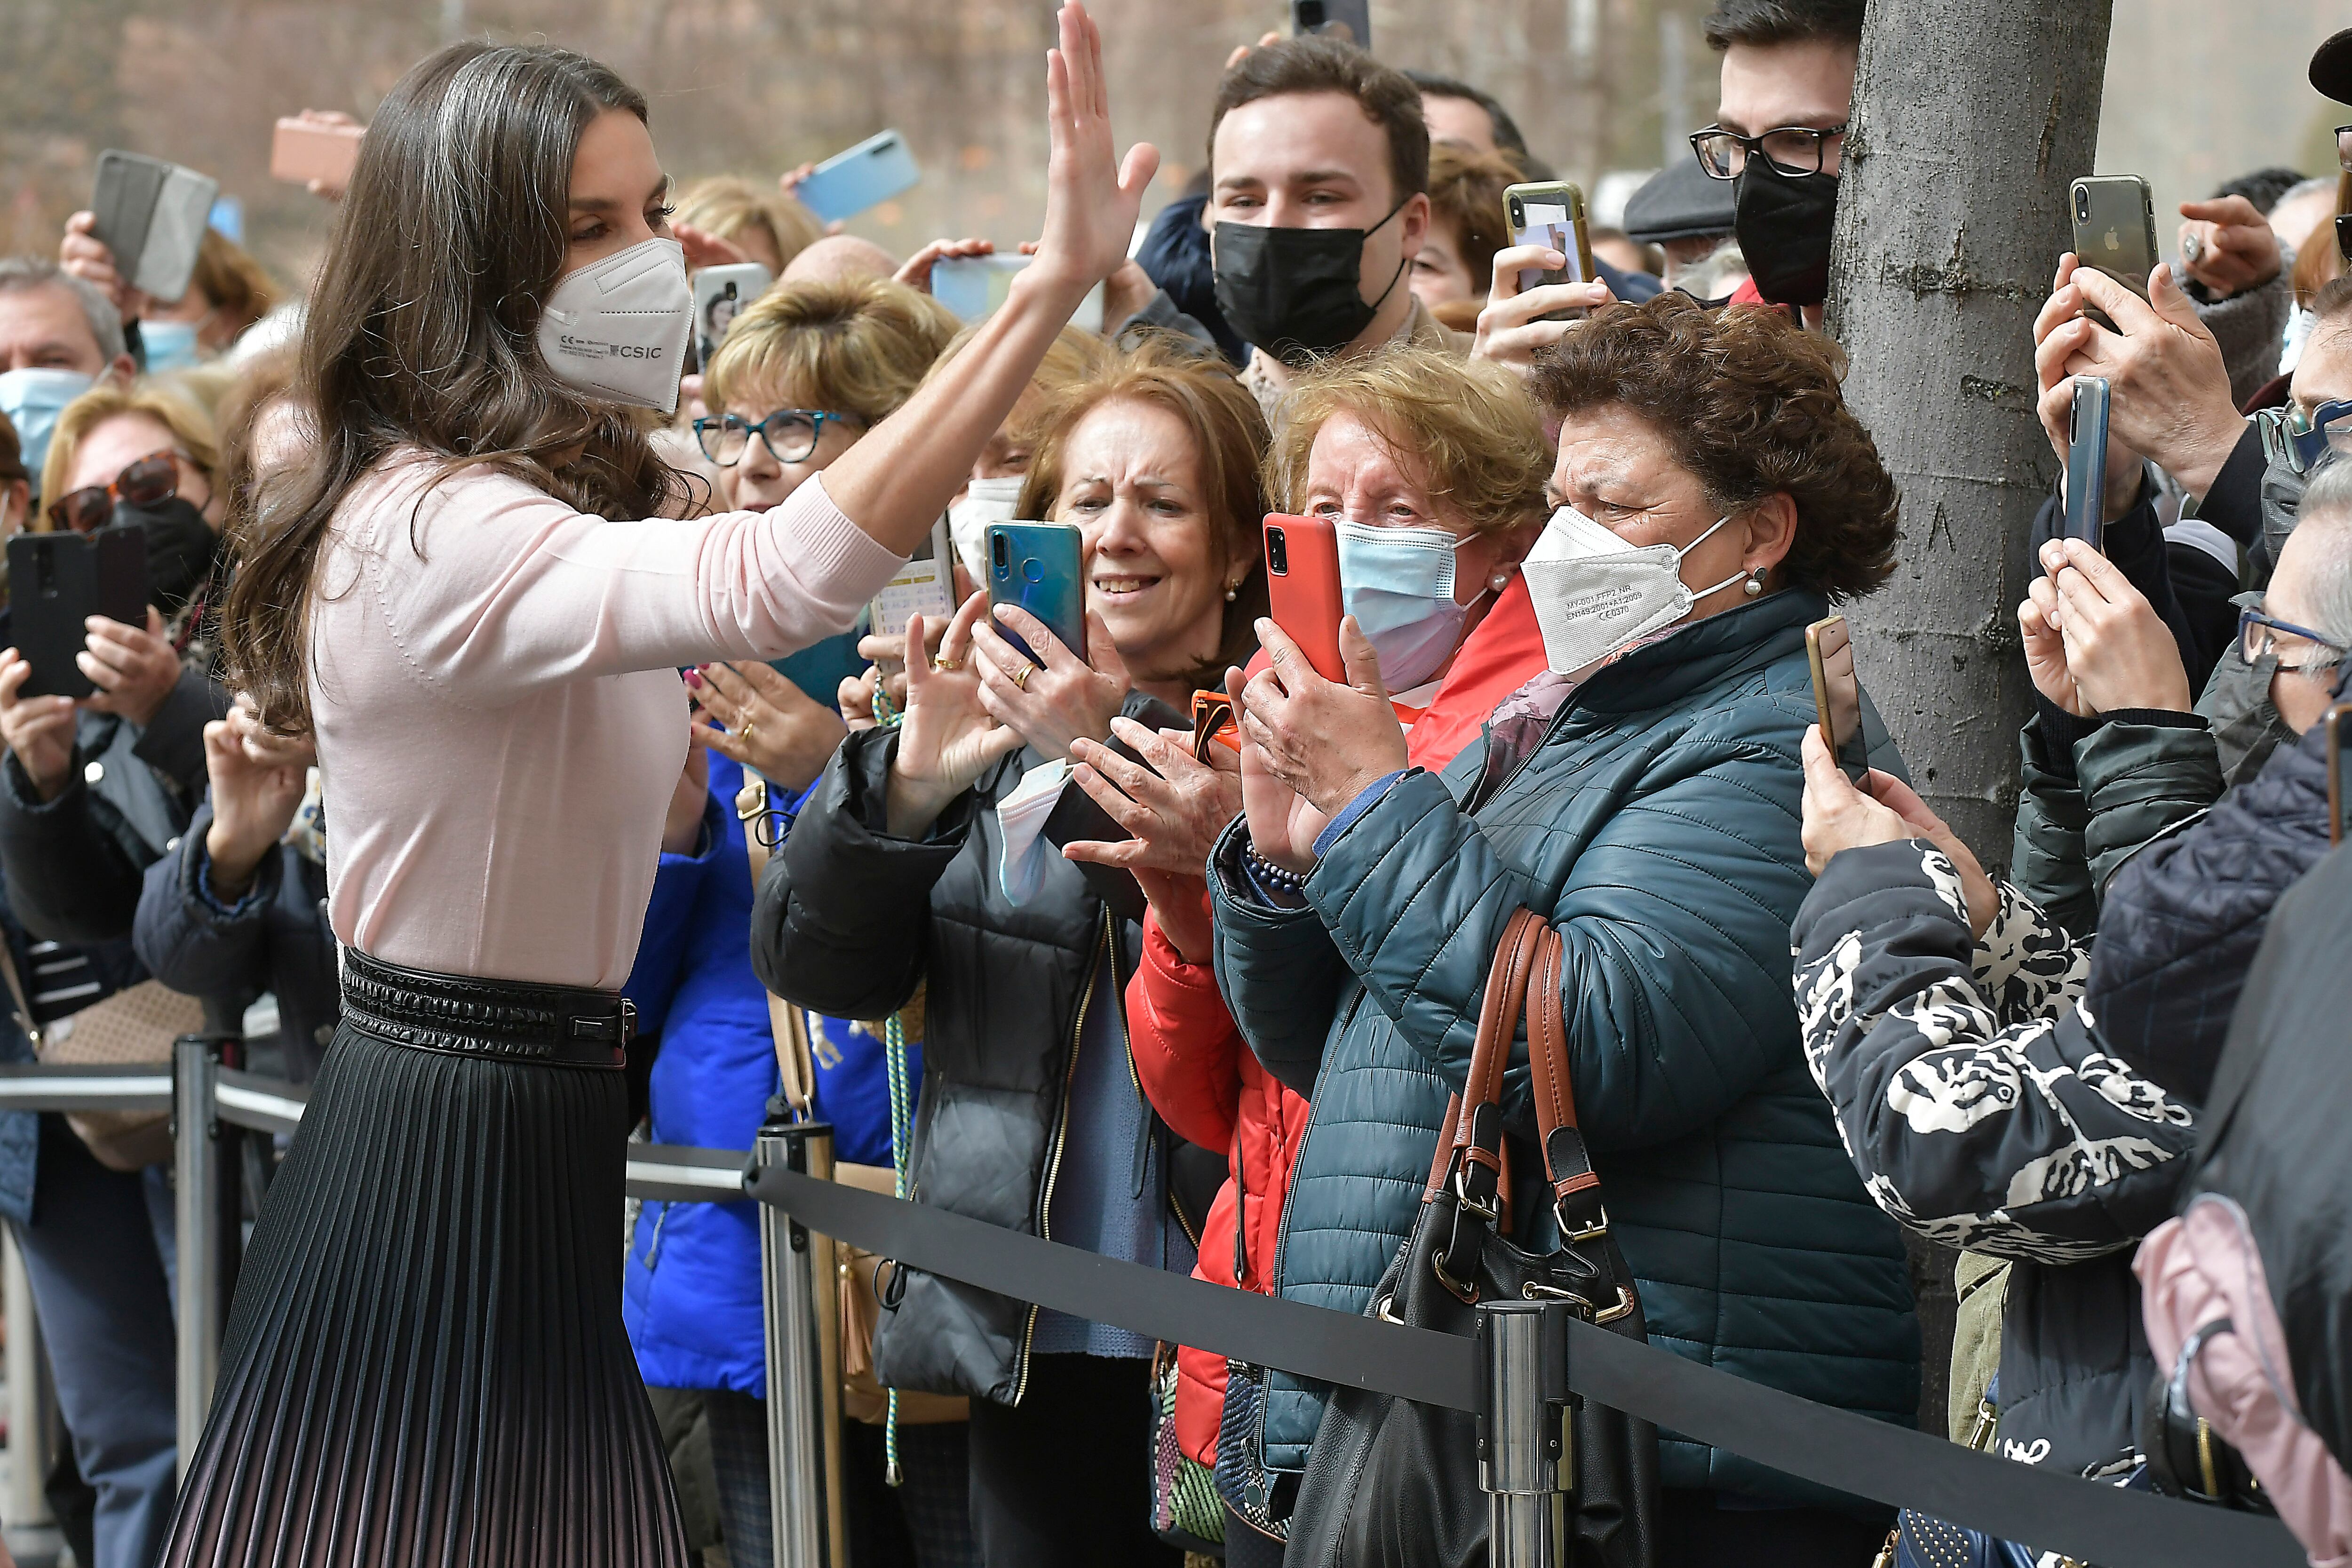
(1972, 1091)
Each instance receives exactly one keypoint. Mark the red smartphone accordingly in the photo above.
(1302, 580)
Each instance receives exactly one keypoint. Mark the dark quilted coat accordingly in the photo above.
(1656, 826)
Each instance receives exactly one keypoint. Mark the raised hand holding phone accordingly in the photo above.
(1328, 739)
(2086, 514)
(1517, 322)
(1841, 813)
(2092, 642)
(1058, 698)
(1303, 589)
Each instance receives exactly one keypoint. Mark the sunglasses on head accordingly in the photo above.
(152, 480)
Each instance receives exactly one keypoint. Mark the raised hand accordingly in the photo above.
(133, 668)
(1062, 697)
(1510, 331)
(1175, 807)
(1092, 197)
(2228, 246)
(947, 740)
(1326, 741)
(258, 782)
(771, 725)
(39, 729)
(2092, 642)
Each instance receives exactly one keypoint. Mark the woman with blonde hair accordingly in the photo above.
(767, 225)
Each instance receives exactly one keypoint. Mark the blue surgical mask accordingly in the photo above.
(32, 399)
(170, 346)
(1399, 585)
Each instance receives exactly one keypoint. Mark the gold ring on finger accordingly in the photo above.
(946, 666)
(744, 734)
(1020, 678)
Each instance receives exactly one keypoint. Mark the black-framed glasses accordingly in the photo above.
(1793, 150)
(2343, 148)
(2344, 236)
(2258, 641)
(791, 433)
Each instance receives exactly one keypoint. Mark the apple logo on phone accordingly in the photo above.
(2113, 243)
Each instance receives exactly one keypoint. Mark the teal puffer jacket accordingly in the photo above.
(1657, 825)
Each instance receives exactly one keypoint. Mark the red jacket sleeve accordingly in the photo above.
(1187, 1050)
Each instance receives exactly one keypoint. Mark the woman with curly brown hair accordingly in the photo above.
(1713, 496)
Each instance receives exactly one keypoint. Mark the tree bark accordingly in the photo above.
(1969, 118)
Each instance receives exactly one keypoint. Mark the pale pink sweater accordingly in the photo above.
(499, 718)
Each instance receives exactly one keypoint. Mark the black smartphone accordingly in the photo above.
(2339, 804)
(2086, 463)
(2114, 218)
(1350, 21)
(1837, 694)
(56, 581)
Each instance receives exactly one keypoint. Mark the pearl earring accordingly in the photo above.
(1233, 591)
(1499, 581)
(1756, 582)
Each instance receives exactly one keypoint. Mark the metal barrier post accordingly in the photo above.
(798, 1291)
(198, 1172)
(32, 1410)
(1525, 1456)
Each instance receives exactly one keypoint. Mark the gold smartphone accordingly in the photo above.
(1837, 694)
(2114, 231)
(1551, 212)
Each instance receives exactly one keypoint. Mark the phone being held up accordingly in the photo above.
(1837, 694)
(1038, 566)
(56, 581)
(1552, 213)
(1350, 21)
(2114, 231)
(863, 176)
(1302, 586)
(302, 151)
(2086, 463)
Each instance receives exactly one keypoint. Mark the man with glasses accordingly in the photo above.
(1779, 138)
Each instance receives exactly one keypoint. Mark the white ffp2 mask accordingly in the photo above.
(617, 330)
(984, 501)
(1593, 592)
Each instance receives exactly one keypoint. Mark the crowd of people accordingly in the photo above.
(1158, 936)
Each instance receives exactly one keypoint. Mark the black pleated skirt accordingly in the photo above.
(424, 1364)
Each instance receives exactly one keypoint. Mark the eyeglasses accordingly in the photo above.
(1793, 150)
(2344, 236)
(790, 434)
(2258, 641)
(153, 479)
(2344, 147)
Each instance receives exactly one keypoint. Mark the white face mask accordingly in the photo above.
(984, 501)
(1594, 593)
(617, 330)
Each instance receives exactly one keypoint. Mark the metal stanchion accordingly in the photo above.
(1525, 1461)
(32, 1412)
(197, 1170)
(804, 1317)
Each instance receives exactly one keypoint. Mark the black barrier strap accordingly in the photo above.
(1836, 1448)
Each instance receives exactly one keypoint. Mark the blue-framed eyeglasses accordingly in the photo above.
(2258, 635)
(791, 433)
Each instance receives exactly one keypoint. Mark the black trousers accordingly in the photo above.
(1697, 1534)
(1063, 1478)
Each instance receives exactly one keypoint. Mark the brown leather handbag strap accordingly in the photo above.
(1499, 1017)
(1576, 1188)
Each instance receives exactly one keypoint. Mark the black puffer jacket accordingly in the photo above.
(2184, 918)
(848, 920)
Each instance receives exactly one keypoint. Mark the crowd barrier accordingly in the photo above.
(1517, 1373)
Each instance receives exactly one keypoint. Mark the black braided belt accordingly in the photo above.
(510, 1020)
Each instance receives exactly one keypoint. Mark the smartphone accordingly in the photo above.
(848, 182)
(1551, 212)
(718, 293)
(2339, 731)
(1350, 21)
(1038, 566)
(153, 215)
(1837, 694)
(974, 286)
(924, 586)
(1302, 582)
(57, 581)
(2086, 464)
(2114, 231)
(302, 150)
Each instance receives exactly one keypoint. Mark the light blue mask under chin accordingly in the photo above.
(170, 346)
(1399, 585)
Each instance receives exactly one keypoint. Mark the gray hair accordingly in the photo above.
(2315, 185)
(18, 273)
(2327, 587)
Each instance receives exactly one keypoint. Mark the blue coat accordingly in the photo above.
(1656, 826)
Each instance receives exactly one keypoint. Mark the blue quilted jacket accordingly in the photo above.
(1656, 825)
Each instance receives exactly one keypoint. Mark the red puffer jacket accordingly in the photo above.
(1202, 1076)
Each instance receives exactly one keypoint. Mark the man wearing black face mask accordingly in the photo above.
(1318, 159)
(1778, 137)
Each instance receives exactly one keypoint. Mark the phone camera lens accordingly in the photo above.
(2083, 205)
(999, 556)
(1277, 553)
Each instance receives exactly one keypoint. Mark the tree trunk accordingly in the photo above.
(1969, 118)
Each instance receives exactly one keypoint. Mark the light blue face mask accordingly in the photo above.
(32, 399)
(170, 346)
(1399, 585)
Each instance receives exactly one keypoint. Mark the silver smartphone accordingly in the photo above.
(153, 215)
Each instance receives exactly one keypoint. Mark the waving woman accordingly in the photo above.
(468, 593)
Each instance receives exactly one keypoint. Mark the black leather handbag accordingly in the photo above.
(1392, 1484)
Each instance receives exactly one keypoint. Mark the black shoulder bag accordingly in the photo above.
(1391, 1484)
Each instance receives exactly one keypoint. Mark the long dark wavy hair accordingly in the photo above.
(420, 336)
